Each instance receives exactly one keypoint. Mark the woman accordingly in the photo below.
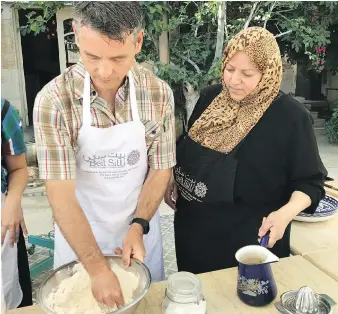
(249, 163)
(16, 283)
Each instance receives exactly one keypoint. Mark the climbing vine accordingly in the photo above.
(36, 21)
(303, 29)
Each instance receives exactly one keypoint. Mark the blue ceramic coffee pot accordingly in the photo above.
(256, 285)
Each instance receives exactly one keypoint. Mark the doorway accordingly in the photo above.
(309, 84)
(40, 54)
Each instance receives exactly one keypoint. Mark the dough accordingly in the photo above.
(74, 295)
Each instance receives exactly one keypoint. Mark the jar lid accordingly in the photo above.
(184, 287)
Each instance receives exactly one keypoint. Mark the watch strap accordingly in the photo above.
(144, 223)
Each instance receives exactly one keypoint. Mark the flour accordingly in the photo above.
(74, 295)
(170, 307)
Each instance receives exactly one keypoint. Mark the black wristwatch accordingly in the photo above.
(144, 223)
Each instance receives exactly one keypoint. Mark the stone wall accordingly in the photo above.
(331, 82)
(12, 79)
(289, 78)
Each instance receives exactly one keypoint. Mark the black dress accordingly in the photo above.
(24, 273)
(224, 197)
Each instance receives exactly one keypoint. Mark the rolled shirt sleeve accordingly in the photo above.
(162, 149)
(55, 152)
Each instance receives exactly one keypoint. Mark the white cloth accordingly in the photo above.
(111, 167)
(10, 274)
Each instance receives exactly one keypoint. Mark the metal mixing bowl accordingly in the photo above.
(65, 271)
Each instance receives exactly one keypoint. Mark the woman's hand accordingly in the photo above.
(171, 195)
(276, 223)
(12, 219)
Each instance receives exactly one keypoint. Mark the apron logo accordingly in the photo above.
(116, 160)
(199, 189)
(184, 180)
(133, 158)
(106, 161)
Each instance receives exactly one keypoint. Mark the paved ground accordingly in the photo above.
(39, 219)
(329, 154)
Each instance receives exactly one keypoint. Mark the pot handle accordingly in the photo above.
(265, 240)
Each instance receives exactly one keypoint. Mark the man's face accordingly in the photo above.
(107, 61)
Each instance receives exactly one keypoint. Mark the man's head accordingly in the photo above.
(109, 35)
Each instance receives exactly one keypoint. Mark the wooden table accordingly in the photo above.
(307, 237)
(332, 192)
(326, 260)
(220, 289)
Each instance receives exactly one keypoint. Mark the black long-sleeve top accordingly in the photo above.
(278, 156)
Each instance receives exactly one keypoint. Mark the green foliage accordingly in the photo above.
(36, 23)
(192, 28)
(193, 32)
(171, 73)
(153, 12)
(331, 127)
(310, 23)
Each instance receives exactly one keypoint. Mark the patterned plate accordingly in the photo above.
(326, 209)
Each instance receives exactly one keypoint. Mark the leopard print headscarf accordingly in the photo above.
(225, 122)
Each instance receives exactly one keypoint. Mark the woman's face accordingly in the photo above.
(241, 76)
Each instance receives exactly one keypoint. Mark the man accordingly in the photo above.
(99, 127)
(16, 282)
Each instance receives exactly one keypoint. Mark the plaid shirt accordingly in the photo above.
(12, 140)
(58, 119)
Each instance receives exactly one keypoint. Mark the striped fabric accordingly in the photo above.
(12, 140)
(58, 119)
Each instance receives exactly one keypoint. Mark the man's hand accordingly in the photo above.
(171, 195)
(67, 213)
(132, 245)
(12, 219)
(106, 289)
(150, 198)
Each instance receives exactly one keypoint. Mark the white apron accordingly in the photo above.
(10, 274)
(111, 167)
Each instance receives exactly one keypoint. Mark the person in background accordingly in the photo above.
(105, 139)
(248, 164)
(16, 282)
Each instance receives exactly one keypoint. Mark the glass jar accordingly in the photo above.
(184, 295)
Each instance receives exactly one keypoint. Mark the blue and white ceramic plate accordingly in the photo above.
(326, 209)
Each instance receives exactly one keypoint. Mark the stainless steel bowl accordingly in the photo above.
(65, 271)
